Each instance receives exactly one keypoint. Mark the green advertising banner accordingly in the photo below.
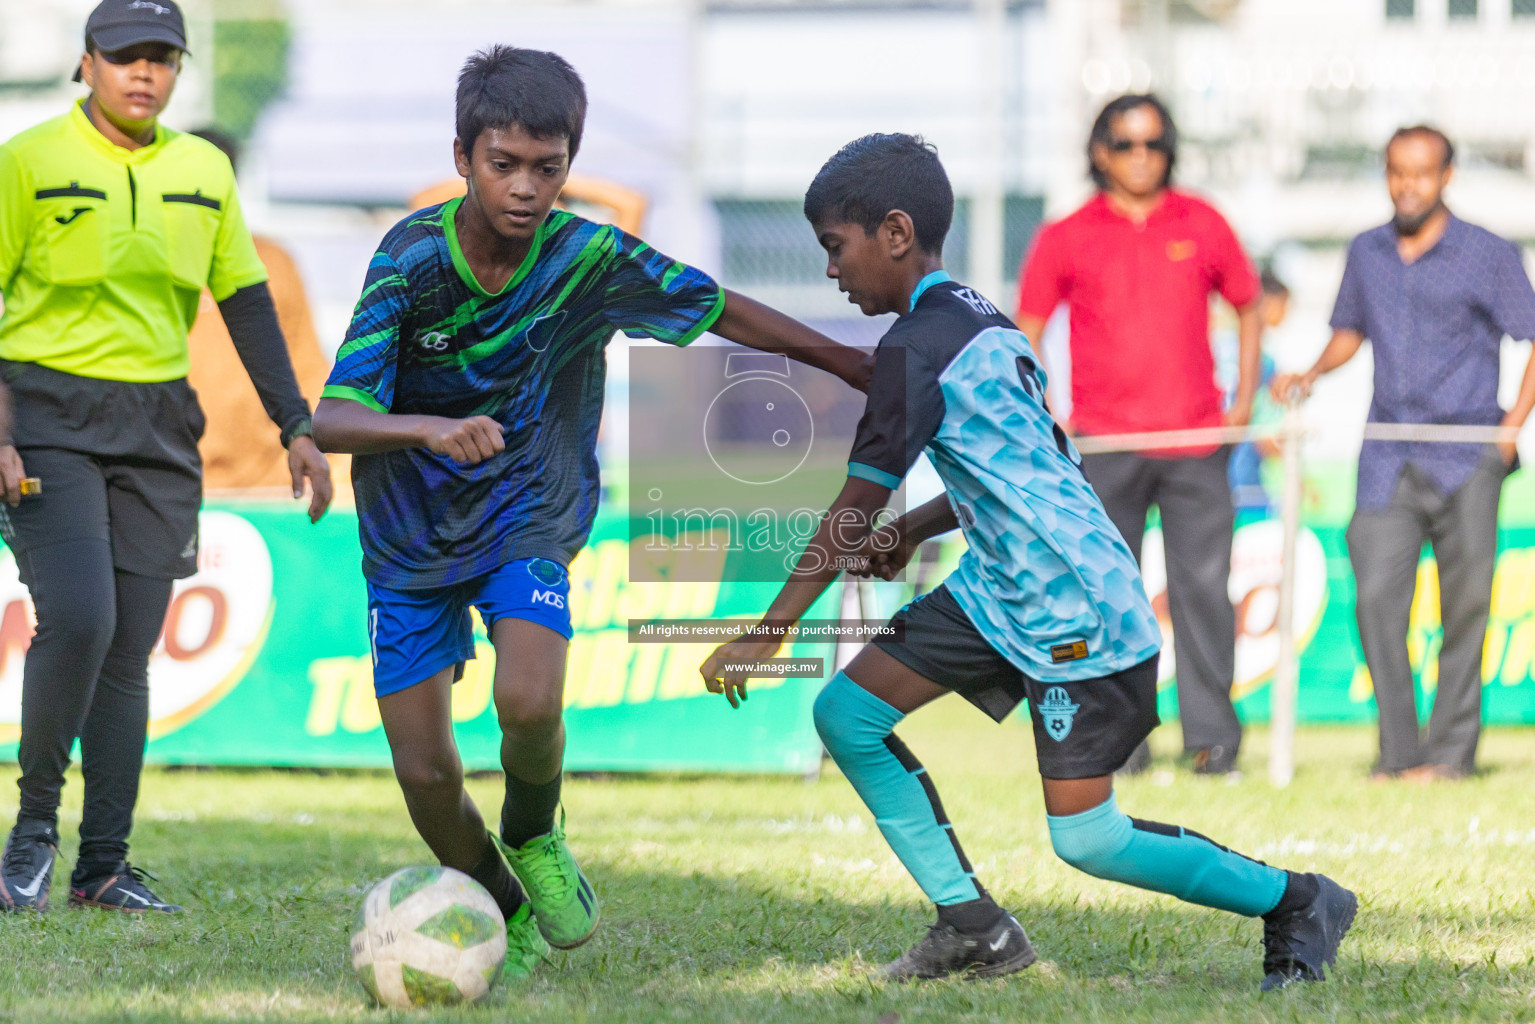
(265, 661)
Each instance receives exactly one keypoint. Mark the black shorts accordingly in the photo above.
(1082, 729)
(118, 461)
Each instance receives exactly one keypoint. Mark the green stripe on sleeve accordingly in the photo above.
(704, 324)
(875, 476)
(352, 395)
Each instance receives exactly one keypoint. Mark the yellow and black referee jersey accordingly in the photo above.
(104, 251)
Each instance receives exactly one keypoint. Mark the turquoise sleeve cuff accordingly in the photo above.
(874, 476)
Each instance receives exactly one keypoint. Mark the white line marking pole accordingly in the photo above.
(1282, 694)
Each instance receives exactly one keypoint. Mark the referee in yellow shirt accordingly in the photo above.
(110, 227)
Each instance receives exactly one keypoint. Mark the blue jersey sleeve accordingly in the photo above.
(368, 359)
(650, 295)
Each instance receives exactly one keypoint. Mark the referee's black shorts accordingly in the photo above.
(1082, 729)
(118, 461)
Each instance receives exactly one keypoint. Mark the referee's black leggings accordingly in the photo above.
(87, 676)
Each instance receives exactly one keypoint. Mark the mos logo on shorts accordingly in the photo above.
(1056, 711)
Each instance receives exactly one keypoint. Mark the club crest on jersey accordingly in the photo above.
(1057, 712)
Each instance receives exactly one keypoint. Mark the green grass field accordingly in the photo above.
(765, 900)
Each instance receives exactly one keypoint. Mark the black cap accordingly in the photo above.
(119, 24)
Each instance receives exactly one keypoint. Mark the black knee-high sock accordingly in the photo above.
(498, 880)
(529, 809)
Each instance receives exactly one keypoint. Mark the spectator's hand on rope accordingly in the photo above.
(304, 462)
(1508, 449)
(1240, 414)
(1289, 387)
(11, 474)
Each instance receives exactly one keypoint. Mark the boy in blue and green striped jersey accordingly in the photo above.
(470, 388)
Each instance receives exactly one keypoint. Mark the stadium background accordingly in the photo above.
(718, 113)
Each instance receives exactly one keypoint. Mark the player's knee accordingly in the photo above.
(839, 728)
(531, 712)
(429, 773)
(851, 720)
(1092, 841)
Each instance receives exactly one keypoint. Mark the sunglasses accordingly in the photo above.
(1156, 145)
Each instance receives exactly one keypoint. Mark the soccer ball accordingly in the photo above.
(428, 935)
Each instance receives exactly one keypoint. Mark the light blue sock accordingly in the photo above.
(1165, 858)
(855, 726)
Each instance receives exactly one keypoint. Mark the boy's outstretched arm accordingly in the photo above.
(836, 544)
(748, 322)
(342, 425)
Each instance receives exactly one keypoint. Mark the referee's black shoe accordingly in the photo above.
(1299, 944)
(120, 887)
(943, 951)
(26, 869)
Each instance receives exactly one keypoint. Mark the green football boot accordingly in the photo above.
(525, 947)
(564, 904)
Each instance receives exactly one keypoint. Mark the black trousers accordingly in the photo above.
(1384, 547)
(115, 523)
(87, 677)
(1197, 520)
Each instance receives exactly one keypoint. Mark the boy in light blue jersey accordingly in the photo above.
(1046, 604)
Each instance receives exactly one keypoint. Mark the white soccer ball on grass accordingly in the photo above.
(428, 935)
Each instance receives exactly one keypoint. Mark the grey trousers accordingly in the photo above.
(1384, 546)
(1197, 520)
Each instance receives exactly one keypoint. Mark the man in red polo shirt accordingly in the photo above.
(1136, 266)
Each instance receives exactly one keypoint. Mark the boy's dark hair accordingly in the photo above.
(536, 91)
(871, 176)
(1101, 134)
(226, 143)
(1429, 131)
(1272, 283)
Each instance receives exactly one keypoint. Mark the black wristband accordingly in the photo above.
(300, 428)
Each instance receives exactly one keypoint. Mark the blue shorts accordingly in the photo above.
(417, 633)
